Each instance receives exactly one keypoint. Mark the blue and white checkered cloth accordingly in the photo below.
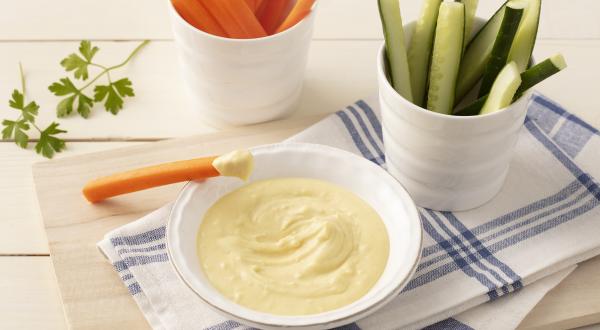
(545, 220)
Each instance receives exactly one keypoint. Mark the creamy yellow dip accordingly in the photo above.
(292, 246)
(238, 163)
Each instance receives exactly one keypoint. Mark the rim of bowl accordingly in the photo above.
(370, 308)
(178, 17)
(381, 73)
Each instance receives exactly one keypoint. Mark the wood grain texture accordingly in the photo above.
(575, 302)
(21, 228)
(337, 19)
(338, 73)
(92, 293)
(30, 299)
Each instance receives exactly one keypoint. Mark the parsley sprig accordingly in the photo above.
(75, 98)
(48, 143)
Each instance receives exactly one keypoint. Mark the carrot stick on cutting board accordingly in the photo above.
(149, 177)
(196, 14)
(271, 13)
(236, 18)
(301, 9)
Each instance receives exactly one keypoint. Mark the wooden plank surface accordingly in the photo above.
(31, 299)
(35, 20)
(338, 73)
(573, 303)
(21, 228)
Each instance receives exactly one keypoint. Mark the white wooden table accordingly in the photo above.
(341, 69)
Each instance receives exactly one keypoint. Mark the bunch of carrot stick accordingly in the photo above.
(243, 19)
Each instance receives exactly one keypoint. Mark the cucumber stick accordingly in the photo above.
(419, 49)
(504, 89)
(470, 9)
(477, 54)
(395, 48)
(498, 58)
(540, 72)
(524, 41)
(447, 52)
(529, 78)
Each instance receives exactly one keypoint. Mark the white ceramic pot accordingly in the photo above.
(242, 81)
(447, 163)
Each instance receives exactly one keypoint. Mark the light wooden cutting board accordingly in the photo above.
(94, 296)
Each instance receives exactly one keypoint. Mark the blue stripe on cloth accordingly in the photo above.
(227, 325)
(161, 246)
(357, 139)
(474, 258)
(358, 142)
(507, 242)
(145, 237)
(134, 288)
(572, 137)
(126, 277)
(560, 196)
(372, 118)
(448, 324)
(366, 131)
(133, 261)
(458, 259)
(562, 112)
(479, 247)
(351, 326)
(561, 157)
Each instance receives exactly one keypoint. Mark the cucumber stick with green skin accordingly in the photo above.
(445, 61)
(395, 48)
(419, 49)
(470, 9)
(499, 55)
(477, 54)
(524, 41)
(504, 89)
(529, 78)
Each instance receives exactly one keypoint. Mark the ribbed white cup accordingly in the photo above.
(447, 163)
(242, 81)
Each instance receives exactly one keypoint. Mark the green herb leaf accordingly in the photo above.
(84, 106)
(79, 64)
(28, 111)
(9, 127)
(65, 107)
(86, 49)
(123, 86)
(48, 143)
(63, 87)
(21, 138)
(113, 103)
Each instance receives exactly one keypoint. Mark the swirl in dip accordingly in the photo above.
(292, 246)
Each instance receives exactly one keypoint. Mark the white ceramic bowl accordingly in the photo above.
(447, 163)
(365, 179)
(242, 81)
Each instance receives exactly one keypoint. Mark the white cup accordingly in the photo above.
(242, 81)
(447, 163)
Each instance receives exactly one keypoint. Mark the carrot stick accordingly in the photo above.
(236, 18)
(254, 4)
(196, 14)
(148, 177)
(300, 10)
(271, 13)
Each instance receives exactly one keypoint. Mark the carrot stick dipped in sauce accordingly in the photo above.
(239, 163)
